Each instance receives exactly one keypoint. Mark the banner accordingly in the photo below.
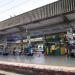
(70, 36)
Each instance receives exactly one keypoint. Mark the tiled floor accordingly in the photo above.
(42, 62)
(47, 60)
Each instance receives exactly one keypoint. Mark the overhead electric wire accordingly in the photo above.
(15, 6)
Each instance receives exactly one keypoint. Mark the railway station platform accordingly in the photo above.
(34, 65)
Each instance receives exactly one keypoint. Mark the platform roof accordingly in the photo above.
(52, 18)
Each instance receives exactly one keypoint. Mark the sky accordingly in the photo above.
(11, 8)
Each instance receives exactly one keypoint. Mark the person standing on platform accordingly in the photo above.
(69, 50)
(53, 49)
(14, 51)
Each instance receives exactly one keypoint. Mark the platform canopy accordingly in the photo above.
(52, 18)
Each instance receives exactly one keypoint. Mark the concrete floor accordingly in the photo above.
(35, 59)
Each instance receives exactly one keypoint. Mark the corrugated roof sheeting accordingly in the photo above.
(49, 10)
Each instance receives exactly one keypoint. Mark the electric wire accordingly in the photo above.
(15, 6)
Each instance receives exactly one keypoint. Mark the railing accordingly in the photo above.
(59, 7)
